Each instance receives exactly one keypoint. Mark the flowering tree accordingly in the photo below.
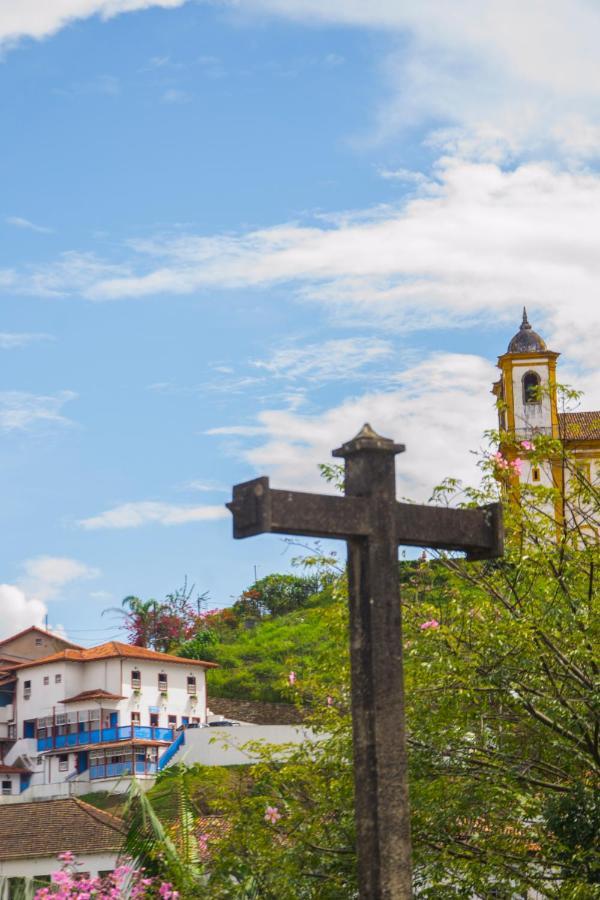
(124, 883)
(502, 682)
(179, 621)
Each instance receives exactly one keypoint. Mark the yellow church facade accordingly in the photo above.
(528, 406)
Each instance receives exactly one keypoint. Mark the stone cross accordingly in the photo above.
(373, 523)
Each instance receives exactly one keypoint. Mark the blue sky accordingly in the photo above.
(230, 233)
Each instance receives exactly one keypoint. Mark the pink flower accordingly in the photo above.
(526, 445)
(272, 815)
(203, 844)
(499, 460)
(67, 857)
(517, 465)
(329, 701)
(432, 623)
(292, 678)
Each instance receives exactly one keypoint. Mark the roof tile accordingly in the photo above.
(48, 827)
(114, 650)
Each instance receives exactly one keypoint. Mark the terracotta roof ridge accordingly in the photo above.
(101, 815)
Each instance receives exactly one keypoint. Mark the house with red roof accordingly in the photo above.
(80, 719)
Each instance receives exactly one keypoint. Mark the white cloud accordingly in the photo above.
(17, 611)
(9, 340)
(439, 410)
(205, 487)
(133, 515)
(25, 604)
(176, 96)
(40, 18)
(20, 410)
(45, 576)
(508, 74)
(473, 245)
(19, 222)
(329, 361)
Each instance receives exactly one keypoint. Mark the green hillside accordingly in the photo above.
(255, 661)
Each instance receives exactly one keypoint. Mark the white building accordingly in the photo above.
(33, 834)
(81, 717)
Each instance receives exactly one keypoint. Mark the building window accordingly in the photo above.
(136, 680)
(26, 690)
(536, 474)
(531, 388)
(162, 682)
(172, 721)
(7, 787)
(38, 642)
(191, 684)
(63, 762)
(135, 718)
(154, 720)
(57, 679)
(46, 679)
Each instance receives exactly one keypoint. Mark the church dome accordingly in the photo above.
(526, 340)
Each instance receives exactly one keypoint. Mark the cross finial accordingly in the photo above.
(525, 323)
(368, 439)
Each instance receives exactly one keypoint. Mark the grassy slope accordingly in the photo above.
(255, 662)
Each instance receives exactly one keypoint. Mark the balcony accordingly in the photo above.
(106, 735)
(6, 714)
(116, 770)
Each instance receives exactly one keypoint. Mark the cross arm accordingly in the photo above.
(479, 531)
(257, 509)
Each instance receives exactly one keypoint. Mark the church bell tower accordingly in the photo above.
(525, 390)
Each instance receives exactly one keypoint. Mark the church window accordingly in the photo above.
(531, 388)
(535, 474)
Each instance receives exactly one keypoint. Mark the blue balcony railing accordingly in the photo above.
(116, 770)
(105, 735)
(170, 752)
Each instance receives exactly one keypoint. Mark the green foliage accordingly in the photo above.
(502, 687)
(254, 662)
(200, 646)
(276, 595)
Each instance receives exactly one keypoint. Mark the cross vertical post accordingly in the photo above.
(373, 524)
(380, 761)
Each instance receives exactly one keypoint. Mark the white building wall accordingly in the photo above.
(94, 863)
(225, 746)
(67, 678)
(531, 415)
(177, 702)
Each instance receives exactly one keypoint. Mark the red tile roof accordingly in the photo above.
(48, 827)
(13, 770)
(210, 830)
(115, 650)
(579, 426)
(96, 694)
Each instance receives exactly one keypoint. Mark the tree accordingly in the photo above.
(502, 703)
(165, 625)
(503, 715)
(276, 595)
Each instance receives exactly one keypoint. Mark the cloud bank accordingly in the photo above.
(146, 512)
(40, 18)
(26, 603)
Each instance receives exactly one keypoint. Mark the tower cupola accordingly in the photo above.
(526, 340)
